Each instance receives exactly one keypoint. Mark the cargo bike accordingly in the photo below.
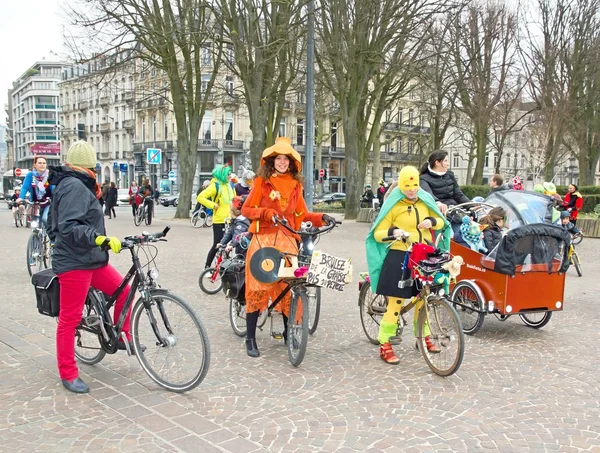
(524, 275)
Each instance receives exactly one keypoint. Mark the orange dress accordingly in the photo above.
(279, 195)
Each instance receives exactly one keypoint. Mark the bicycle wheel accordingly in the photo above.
(198, 220)
(297, 332)
(576, 263)
(210, 281)
(372, 308)
(440, 322)
(237, 317)
(209, 221)
(139, 216)
(35, 254)
(468, 300)
(177, 355)
(314, 307)
(87, 345)
(22, 219)
(536, 320)
(577, 238)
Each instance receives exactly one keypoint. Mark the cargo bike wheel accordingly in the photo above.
(537, 320)
(467, 301)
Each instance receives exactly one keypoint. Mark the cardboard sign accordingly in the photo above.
(328, 271)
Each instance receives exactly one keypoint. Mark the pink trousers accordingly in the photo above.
(74, 286)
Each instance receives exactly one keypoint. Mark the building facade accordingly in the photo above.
(35, 112)
(97, 104)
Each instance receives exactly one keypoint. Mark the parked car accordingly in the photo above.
(329, 198)
(122, 197)
(169, 200)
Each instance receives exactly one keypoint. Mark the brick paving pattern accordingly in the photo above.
(518, 389)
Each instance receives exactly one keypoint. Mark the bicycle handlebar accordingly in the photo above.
(144, 238)
(310, 231)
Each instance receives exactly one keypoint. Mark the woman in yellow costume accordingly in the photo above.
(408, 209)
(277, 192)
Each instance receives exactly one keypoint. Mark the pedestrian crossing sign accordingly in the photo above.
(154, 156)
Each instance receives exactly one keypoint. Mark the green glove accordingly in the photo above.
(112, 242)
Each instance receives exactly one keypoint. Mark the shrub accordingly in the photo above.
(590, 202)
(597, 210)
(475, 191)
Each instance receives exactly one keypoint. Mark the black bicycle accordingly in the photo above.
(298, 319)
(144, 212)
(168, 337)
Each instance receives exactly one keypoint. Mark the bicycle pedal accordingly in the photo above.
(395, 340)
(92, 321)
(277, 335)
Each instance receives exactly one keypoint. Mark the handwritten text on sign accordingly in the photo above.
(328, 271)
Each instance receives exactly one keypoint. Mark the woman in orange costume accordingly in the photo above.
(277, 192)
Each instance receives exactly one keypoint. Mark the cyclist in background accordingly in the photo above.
(37, 189)
(146, 193)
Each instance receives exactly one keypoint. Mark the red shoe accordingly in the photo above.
(387, 354)
(434, 349)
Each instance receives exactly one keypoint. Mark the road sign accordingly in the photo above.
(18, 172)
(154, 156)
(321, 173)
(172, 176)
(123, 168)
(139, 168)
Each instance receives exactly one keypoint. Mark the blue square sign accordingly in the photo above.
(154, 156)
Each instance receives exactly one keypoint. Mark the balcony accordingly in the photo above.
(48, 122)
(231, 99)
(233, 144)
(300, 105)
(165, 146)
(46, 107)
(407, 128)
(104, 101)
(84, 105)
(129, 124)
(287, 105)
(105, 128)
(208, 143)
(128, 96)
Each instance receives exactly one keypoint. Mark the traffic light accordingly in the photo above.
(81, 131)
(316, 174)
(326, 173)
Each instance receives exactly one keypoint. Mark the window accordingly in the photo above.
(229, 53)
(282, 127)
(116, 117)
(206, 56)
(154, 128)
(523, 161)
(229, 128)
(508, 160)
(300, 131)
(388, 144)
(455, 160)
(515, 161)
(204, 83)
(399, 144)
(487, 160)
(495, 160)
(207, 127)
(229, 85)
(117, 146)
(165, 127)
(143, 129)
(333, 136)
(411, 115)
(411, 146)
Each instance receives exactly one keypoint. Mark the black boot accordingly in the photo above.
(252, 348)
(285, 329)
(251, 321)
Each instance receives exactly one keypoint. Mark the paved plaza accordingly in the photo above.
(518, 389)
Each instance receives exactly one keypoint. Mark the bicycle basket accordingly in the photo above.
(233, 276)
(47, 292)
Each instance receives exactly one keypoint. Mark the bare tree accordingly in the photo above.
(172, 36)
(359, 44)
(484, 39)
(266, 41)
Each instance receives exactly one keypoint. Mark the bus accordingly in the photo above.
(10, 182)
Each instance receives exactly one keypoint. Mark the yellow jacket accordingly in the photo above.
(406, 215)
(208, 197)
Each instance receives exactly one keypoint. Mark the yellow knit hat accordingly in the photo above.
(408, 178)
(82, 154)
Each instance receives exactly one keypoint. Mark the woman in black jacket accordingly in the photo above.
(76, 227)
(441, 182)
(111, 200)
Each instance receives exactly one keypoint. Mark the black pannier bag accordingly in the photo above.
(233, 276)
(47, 292)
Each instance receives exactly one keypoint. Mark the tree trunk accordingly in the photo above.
(376, 172)
(480, 149)
(353, 183)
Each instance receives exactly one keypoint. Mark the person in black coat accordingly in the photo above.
(441, 182)
(79, 257)
(111, 200)
(494, 222)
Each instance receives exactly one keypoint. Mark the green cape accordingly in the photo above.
(377, 251)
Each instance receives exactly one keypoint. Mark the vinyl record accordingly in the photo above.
(264, 264)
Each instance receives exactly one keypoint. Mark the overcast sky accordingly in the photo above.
(29, 30)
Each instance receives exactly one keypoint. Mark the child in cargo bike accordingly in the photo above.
(408, 209)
